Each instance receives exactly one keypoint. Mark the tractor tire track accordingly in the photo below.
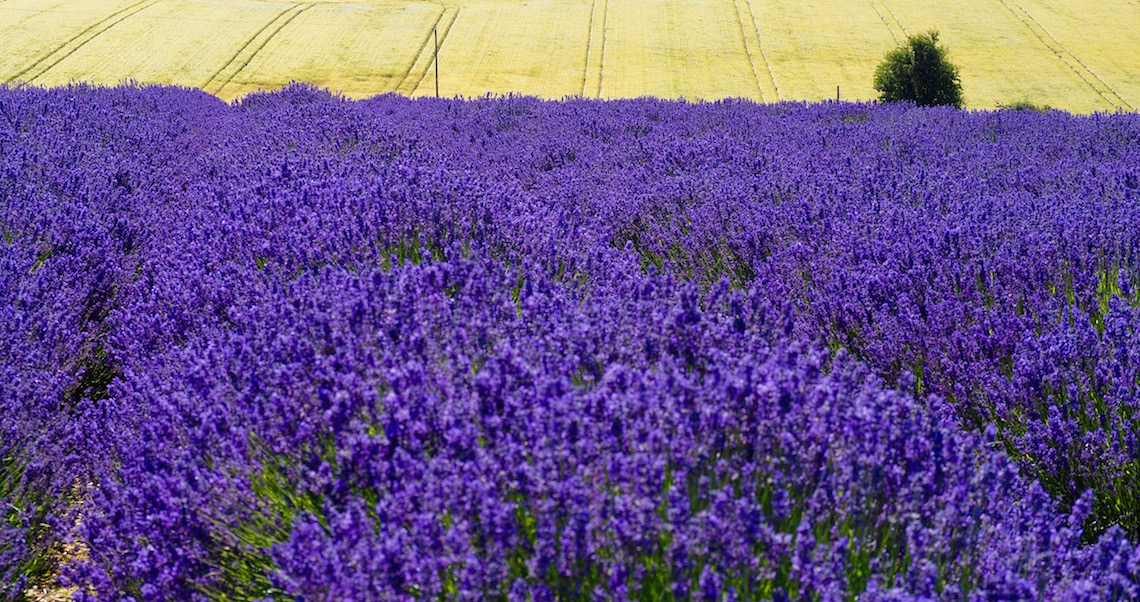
(232, 59)
(589, 47)
(747, 51)
(602, 60)
(292, 13)
(1059, 49)
(887, 24)
(77, 41)
(894, 17)
(760, 46)
(423, 46)
(442, 40)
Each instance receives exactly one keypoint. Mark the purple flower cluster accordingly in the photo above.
(307, 348)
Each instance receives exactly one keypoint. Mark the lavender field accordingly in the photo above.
(306, 348)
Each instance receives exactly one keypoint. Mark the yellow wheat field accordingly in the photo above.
(1069, 54)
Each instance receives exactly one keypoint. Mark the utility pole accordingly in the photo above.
(435, 36)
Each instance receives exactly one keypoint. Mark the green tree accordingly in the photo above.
(919, 71)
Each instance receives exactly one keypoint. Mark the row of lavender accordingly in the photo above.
(316, 349)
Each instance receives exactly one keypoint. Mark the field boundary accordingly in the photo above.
(442, 40)
(1057, 48)
(98, 27)
(760, 48)
(296, 10)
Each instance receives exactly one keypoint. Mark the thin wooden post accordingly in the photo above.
(435, 36)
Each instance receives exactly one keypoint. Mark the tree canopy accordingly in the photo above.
(921, 72)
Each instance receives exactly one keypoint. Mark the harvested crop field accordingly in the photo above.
(1069, 55)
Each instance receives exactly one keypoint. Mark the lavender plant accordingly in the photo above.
(303, 347)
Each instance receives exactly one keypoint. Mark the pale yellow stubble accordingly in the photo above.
(1064, 53)
(539, 47)
(356, 49)
(36, 35)
(673, 48)
(1098, 42)
(184, 42)
(1000, 58)
(813, 46)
